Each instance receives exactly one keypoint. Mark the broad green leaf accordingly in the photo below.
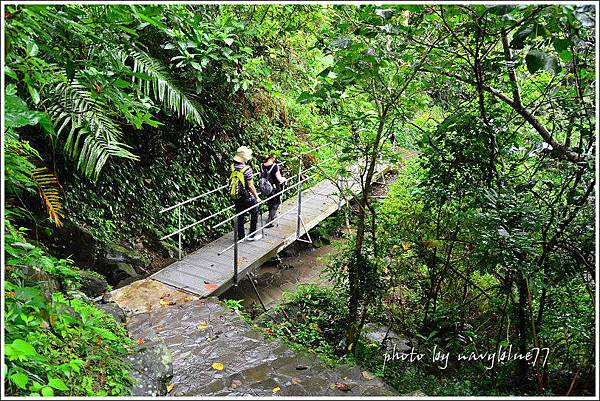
(21, 347)
(35, 96)
(47, 391)
(32, 49)
(518, 41)
(58, 384)
(20, 379)
(10, 72)
(538, 60)
(560, 44)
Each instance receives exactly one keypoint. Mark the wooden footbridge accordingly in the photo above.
(214, 268)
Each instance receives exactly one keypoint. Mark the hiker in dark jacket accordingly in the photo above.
(271, 170)
(248, 195)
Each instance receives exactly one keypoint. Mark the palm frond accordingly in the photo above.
(48, 188)
(164, 87)
(93, 136)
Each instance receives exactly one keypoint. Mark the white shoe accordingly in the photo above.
(255, 237)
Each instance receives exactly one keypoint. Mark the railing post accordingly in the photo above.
(179, 229)
(299, 209)
(235, 250)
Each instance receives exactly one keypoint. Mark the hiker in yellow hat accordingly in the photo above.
(243, 192)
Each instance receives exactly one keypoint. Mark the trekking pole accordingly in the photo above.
(235, 251)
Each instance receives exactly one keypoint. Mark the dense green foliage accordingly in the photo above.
(486, 239)
(56, 343)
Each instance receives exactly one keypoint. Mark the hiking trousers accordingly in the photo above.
(241, 205)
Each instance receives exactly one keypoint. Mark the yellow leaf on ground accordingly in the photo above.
(406, 246)
(163, 302)
(276, 389)
(203, 325)
(170, 388)
(350, 346)
(218, 366)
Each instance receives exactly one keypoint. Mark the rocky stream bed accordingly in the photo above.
(198, 347)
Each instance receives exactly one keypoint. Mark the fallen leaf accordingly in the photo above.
(295, 380)
(210, 286)
(203, 325)
(188, 299)
(269, 331)
(235, 383)
(276, 389)
(170, 388)
(350, 346)
(218, 366)
(140, 341)
(165, 300)
(342, 386)
(406, 246)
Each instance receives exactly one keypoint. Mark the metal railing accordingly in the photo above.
(300, 222)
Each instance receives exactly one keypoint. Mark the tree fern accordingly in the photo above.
(93, 135)
(48, 188)
(164, 88)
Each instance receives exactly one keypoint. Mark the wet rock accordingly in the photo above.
(127, 281)
(151, 367)
(377, 334)
(92, 283)
(294, 249)
(117, 272)
(253, 365)
(122, 271)
(113, 309)
(73, 241)
(114, 253)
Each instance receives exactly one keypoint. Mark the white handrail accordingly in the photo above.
(271, 222)
(226, 185)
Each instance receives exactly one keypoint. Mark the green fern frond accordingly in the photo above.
(164, 88)
(93, 136)
(48, 188)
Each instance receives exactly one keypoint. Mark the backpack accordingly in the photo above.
(264, 185)
(237, 181)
